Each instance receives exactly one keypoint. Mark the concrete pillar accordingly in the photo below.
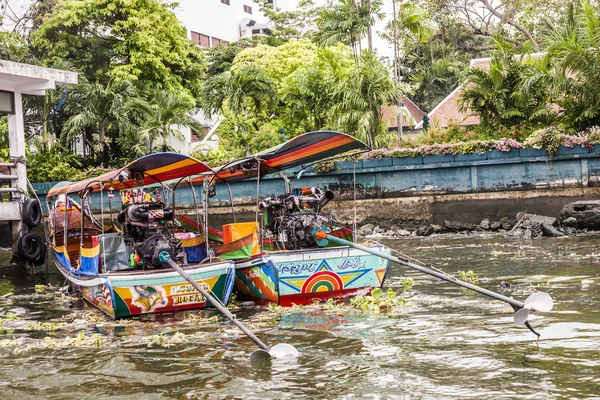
(16, 138)
(474, 179)
(585, 173)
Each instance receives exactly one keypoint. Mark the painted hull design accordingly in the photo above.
(301, 276)
(125, 294)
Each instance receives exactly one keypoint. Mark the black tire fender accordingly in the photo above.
(41, 258)
(32, 213)
(30, 246)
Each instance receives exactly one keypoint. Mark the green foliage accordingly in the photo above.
(219, 59)
(378, 301)
(496, 95)
(163, 113)
(89, 172)
(407, 284)
(550, 139)
(287, 25)
(125, 40)
(570, 69)
(325, 166)
(50, 165)
(98, 114)
(4, 146)
(347, 22)
(468, 276)
(213, 158)
(13, 47)
(359, 99)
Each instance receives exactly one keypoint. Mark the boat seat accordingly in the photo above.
(113, 252)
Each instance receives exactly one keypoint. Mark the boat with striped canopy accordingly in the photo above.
(120, 269)
(277, 260)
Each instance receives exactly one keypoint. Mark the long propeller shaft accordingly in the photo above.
(536, 302)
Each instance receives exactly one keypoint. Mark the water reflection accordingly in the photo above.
(445, 343)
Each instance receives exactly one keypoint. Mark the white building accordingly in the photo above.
(209, 22)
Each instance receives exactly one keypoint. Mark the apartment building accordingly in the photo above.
(210, 22)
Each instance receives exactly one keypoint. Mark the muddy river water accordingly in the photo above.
(443, 343)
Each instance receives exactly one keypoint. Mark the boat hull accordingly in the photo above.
(303, 276)
(124, 294)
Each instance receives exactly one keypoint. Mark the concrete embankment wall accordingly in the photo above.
(429, 189)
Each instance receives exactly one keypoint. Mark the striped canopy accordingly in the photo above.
(154, 168)
(303, 149)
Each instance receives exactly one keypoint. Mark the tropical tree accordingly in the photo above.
(101, 111)
(238, 90)
(569, 72)
(495, 95)
(359, 100)
(293, 24)
(162, 113)
(121, 40)
(347, 22)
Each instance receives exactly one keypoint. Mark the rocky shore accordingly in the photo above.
(581, 217)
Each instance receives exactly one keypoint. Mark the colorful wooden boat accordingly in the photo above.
(116, 270)
(285, 270)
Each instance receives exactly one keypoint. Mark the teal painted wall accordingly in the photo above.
(522, 169)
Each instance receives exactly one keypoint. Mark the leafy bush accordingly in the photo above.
(52, 165)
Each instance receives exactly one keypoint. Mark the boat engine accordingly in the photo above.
(290, 219)
(148, 228)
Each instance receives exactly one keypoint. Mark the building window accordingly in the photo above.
(256, 31)
(225, 2)
(200, 39)
(247, 9)
(266, 31)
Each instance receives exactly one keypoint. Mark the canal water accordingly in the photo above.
(443, 343)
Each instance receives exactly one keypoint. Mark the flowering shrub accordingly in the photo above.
(550, 139)
(325, 166)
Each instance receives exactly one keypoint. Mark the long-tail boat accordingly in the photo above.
(122, 270)
(278, 260)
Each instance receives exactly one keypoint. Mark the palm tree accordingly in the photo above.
(570, 70)
(360, 98)
(496, 96)
(100, 109)
(347, 22)
(162, 113)
(238, 90)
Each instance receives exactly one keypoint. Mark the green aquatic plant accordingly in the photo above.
(468, 276)
(10, 316)
(45, 326)
(407, 284)
(97, 341)
(378, 301)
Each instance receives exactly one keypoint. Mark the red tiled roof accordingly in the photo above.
(448, 110)
(389, 114)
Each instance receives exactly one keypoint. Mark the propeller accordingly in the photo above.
(539, 301)
(280, 350)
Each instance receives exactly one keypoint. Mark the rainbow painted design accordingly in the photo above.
(324, 281)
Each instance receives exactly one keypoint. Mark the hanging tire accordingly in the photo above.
(32, 213)
(30, 246)
(41, 258)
